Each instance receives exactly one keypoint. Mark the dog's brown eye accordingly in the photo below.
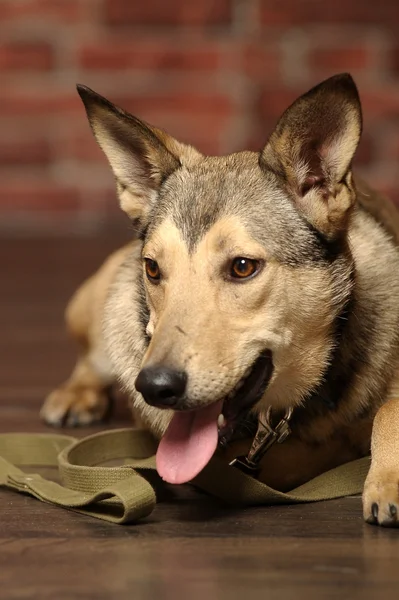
(152, 270)
(242, 268)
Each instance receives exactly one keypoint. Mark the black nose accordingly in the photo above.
(161, 386)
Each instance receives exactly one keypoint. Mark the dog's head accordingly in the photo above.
(245, 262)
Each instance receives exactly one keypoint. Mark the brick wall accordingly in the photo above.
(216, 73)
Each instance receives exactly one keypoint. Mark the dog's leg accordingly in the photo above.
(84, 397)
(381, 490)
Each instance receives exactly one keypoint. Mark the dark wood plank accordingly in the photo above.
(191, 547)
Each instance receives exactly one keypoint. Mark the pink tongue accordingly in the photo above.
(188, 444)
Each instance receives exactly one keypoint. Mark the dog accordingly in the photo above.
(256, 280)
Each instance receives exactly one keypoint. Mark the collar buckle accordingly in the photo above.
(265, 437)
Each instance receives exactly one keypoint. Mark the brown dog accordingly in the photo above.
(258, 280)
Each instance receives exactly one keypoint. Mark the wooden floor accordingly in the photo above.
(193, 548)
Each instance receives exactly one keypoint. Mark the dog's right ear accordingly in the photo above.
(140, 155)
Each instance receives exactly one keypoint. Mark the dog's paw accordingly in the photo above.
(75, 407)
(381, 498)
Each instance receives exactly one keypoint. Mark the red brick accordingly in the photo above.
(261, 62)
(54, 10)
(78, 144)
(380, 101)
(394, 60)
(176, 65)
(105, 199)
(294, 12)
(24, 152)
(335, 60)
(393, 144)
(26, 56)
(170, 12)
(152, 55)
(38, 104)
(31, 196)
(186, 102)
(274, 100)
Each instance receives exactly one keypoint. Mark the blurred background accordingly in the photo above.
(215, 73)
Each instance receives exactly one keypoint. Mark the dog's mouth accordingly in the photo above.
(245, 395)
(192, 436)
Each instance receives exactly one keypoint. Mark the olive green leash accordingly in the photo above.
(122, 494)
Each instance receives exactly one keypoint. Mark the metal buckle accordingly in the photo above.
(264, 439)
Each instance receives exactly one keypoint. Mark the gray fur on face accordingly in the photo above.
(236, 185)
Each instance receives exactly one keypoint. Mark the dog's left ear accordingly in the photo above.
(312, 149)
(141, 156)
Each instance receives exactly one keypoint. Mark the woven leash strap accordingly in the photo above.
(118, 494)
(121, 494)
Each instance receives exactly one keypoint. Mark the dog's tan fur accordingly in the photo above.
(214, 331)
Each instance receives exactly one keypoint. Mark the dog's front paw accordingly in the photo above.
(75, 407)
(381, 498)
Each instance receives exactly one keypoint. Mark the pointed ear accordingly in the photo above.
(141, 156)
(312, 148)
